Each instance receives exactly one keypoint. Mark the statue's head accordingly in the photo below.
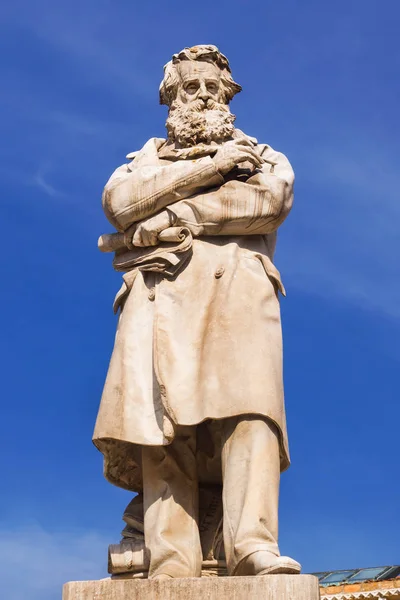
(197, 87)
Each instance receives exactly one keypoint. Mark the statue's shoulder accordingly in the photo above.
(146, 156)
(270, 154)
(151, 146)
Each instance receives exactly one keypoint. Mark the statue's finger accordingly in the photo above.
(255, 160)
(242, 142)
(249, 151)
(137, 238)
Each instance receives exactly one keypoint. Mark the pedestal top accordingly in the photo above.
(270, 587)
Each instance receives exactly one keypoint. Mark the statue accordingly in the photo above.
(192, 415)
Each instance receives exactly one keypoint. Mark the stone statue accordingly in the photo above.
(192, 415)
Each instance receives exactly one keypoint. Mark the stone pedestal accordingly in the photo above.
(270, 587)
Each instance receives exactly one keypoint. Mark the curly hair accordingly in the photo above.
(207, 53)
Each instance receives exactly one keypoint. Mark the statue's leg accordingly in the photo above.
(251, 474)
(170, 490)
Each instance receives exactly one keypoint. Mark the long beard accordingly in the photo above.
(197, 123)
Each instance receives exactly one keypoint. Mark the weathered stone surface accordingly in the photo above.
(272, 587)
(192, 414)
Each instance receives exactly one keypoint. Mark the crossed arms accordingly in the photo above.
(193, 193)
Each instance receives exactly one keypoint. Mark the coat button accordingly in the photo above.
(219, 272)
(152, 293)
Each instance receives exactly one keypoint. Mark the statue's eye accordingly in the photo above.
(212, 88)
(191, 88)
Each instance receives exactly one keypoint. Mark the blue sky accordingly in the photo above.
(80, 90)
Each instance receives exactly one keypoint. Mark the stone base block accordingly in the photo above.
(270, 587)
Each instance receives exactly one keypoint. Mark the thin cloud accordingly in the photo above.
(36, 563)
(40, 181)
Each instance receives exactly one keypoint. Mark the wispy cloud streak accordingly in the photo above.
(40, 181)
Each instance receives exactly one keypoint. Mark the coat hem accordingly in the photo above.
(129, 477)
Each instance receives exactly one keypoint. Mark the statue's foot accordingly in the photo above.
(266, 563)
(281, 564)
(162, 576)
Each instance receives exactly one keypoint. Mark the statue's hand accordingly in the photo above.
(235, 152)
(146, 233)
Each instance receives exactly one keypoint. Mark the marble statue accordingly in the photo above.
(192, 415)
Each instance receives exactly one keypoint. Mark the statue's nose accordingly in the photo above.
(204, 93)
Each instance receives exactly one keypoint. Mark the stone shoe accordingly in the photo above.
(266, 563)
(281, 564)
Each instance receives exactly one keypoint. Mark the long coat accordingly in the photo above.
(205, 343)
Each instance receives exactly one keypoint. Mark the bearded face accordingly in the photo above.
(199, 114)
(199, 122)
